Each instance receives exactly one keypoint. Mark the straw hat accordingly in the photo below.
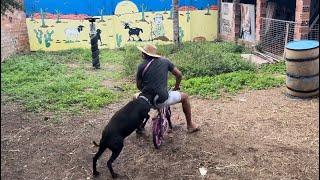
(149, 49)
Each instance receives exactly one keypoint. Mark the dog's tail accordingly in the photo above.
(96, 144)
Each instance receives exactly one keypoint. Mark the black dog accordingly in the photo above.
(129, 118)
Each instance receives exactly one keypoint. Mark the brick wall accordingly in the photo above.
(302, 18)
(236, 23)
(14, 34)
(232, 35)
(237, 19)
(260, 12)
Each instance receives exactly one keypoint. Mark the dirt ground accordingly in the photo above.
(254, 135)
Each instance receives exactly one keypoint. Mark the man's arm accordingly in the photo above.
(177, 73)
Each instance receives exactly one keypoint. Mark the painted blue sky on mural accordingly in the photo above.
(92, 7)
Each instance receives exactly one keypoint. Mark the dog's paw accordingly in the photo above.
(96, 173)
(115, 175)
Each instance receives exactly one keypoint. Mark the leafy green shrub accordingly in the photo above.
(208, 59)
(132, 57)
(196, 59)
(279, 68)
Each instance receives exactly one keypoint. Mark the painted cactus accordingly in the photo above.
(48, 38)
(165, 11)
(143, 9)
(58, 17)
(188, 15)
(39, 35)
(208, 10)
(181, 33)
(101, 15)
(31, 17)
(118, 40)
(42, 18)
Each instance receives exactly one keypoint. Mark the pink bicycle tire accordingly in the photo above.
(157, 135)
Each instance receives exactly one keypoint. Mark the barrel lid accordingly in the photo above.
(302, 45)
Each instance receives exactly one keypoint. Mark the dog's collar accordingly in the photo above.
(146, 99)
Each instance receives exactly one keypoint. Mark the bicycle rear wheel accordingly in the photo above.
(157, 134)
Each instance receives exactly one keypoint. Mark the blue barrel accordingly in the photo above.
(302, 68)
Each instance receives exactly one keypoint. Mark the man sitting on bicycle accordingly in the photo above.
(152, 78)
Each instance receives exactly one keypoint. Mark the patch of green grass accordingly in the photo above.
(111, 56)
(214, 86)
(231, 83)
(131, 60)
(80, 55)
(277, 68)
(65, 82)
(72, 55)
(43, 82)
(130, 89)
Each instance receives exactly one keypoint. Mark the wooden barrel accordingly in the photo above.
(302, 68)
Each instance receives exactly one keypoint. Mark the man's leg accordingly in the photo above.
(192, 127)
(179, 97)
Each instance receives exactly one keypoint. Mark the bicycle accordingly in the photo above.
(160, 124)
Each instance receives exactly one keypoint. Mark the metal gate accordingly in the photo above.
(275, 34)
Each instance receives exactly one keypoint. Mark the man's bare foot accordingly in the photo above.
(193, 128)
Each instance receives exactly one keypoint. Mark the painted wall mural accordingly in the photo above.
(247, 28)
(58, 25)
(226, 27)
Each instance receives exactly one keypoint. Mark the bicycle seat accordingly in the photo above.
(156, 105)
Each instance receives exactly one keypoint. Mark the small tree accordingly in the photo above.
(9, 5)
